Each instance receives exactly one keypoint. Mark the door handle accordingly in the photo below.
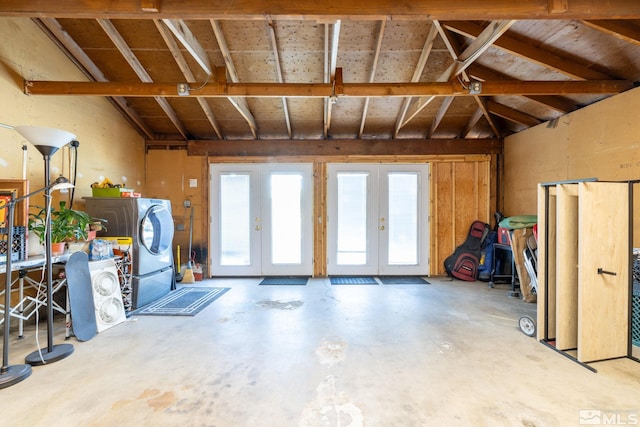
(258, 228)
(602, 271)
(382, 227)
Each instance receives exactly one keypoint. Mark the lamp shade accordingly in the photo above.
(46, 140)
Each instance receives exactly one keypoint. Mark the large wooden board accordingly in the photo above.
(603, 299)
(567, 266)
(546, 322)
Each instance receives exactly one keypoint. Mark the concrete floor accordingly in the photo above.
(444, 354)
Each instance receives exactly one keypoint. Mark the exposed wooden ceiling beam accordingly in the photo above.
(341, 147)
(485, 39)
(372, 74)
(473, 121)
(53, 28)
(622, 30)
(531, 53)
(186, 72)
(240, 104)
(442, 111)
(140, 71)
(330, 69)
(276, 55)
(557, 103)
(317, 90)
(512, 115)
(376, 9)
(482, 104)
(417, 73)
(182, 32)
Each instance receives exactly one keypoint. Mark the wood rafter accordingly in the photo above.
(240, 104)
(332, 41)
(557, 103)
(186, 71)
(140, 71)
(511, 114)
(454, 50)
(417, 72)
(276, 54)
(622, 30)
(531, 53)
(64, 40)
(373, 9)
(372, 74)
(486, 38)
(182, 32)
(471, 123)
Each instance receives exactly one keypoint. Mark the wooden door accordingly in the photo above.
(603, 256)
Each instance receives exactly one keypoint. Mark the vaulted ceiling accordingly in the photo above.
(213, 75)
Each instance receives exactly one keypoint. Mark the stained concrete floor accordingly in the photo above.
(443, 354)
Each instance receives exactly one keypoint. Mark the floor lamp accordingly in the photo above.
(47, 141)
(12, 374)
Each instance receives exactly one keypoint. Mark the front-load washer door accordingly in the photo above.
(155, 236)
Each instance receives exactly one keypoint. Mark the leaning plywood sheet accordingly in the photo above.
(567, 267)
(603, 255)
(546, 263)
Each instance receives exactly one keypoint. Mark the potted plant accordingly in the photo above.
(67, 225)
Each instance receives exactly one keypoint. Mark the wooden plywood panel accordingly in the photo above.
(546, 309)
(603, 299)
(567, 267)
(460, 194)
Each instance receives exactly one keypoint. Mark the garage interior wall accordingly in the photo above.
(601, 141)
(461, 192)
(109, 147)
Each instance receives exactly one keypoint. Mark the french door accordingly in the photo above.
(378, 219)
(261, 222)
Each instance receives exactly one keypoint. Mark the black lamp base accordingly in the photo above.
(13, 374)
(57, 352)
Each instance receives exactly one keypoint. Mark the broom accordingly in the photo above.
(178, 272)
(188, 277)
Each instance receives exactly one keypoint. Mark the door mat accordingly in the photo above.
(289, 281)
(402, 280)
(186, 301)
(353, 280)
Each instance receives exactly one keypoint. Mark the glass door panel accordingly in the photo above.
(378, 219)
(261, 219)
(235, 219)
(404, 219)
(352, 215)
(287, 205)
(352, 218)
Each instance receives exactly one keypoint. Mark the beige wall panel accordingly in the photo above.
(169, 176)
(461, 196)
(601, 140)
(109, 147)
(443, 241)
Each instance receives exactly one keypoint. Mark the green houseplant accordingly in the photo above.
(67, 224)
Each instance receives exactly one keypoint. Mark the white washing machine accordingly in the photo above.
(150, 225)
(107, 296)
